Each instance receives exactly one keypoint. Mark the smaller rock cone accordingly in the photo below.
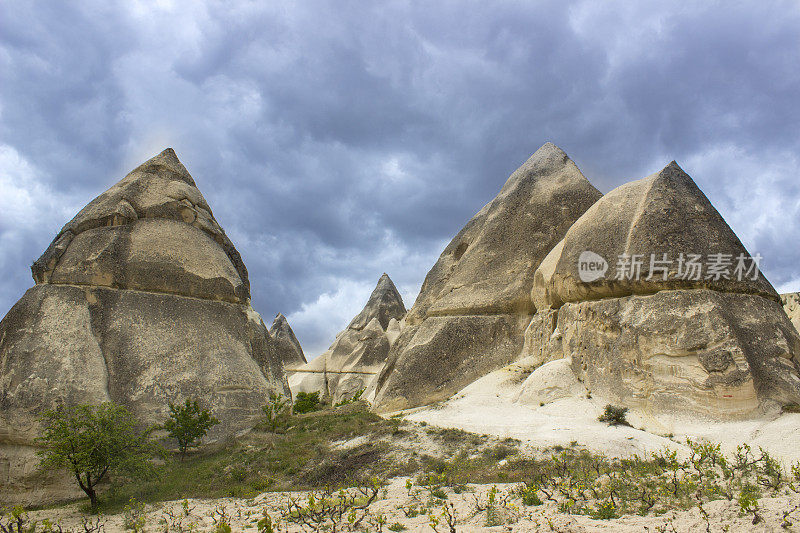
(286, 344)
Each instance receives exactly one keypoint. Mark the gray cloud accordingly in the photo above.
(338, 140)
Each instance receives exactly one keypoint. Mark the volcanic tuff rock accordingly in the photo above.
(720, 347)
(141, 299)
(359, 352)
(475, 302)
(286, 344)
(791, 304)
(665, 213)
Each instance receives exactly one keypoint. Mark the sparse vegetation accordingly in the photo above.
(337, 454)
(188, 424)
(614, 415)
(276, 412)
(354, 398)
(306, 402)
(92, 442)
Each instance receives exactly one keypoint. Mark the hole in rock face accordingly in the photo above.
(459, 251)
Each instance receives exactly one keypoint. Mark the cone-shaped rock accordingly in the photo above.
(648, 231)
(642, 328)
(475, 302)
(286, 344)
(359, 352)
(141, 300)
(384, 304)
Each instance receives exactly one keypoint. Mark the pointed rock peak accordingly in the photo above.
(289, 347)
(547, 159)
(280, 324)
(384, 304)
(166, 164)
(138, 226)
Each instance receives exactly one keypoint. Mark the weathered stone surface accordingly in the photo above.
(385, 304)
(286, 344)
(153, 255)
(550, 382)
(695, 351)
(140, 300)
(791, 304)
(484, 279)
(359, 352)
(542, 341)
(489, 266)
(444, 354)
(664, 213)
(160, 188)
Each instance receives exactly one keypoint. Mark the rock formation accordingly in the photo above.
(475, 302)
(359, 352)
(650, 332)
(286, 344)
(141, 299)
(791, 304)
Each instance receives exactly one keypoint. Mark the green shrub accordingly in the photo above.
(93, 442)
(306, 402)
(354, 398)
(397, 526)
(614, 415)
(188, 424)
(276, 412)
(605, 511)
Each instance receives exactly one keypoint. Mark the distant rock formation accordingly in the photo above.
(475, 302)
(286, 344)
(791, 304)
(141, 299)
(652, 333)
(359, 352)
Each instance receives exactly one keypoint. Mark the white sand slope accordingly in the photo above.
(488, 406)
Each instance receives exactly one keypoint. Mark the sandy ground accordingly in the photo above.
(487, 407)
(469, 509)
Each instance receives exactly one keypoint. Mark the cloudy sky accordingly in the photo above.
(338, 140)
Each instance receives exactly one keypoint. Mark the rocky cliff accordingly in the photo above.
(141, 299)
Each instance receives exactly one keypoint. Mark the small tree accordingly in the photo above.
(188, 424)
(615, 416)
(93, 441)
(276, 411)
(305, 402)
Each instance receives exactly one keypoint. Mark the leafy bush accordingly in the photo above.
(354, 398)
(188, 424)
(93, 442)
(306, 402)
(615, 416)
(276, 412)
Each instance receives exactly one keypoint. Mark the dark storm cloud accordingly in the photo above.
(339, 140)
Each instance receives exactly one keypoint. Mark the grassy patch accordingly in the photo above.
(302, 457)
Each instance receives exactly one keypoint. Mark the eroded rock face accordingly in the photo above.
(698, 351)
(791, 304)
(359, 352)
(161, 189)
(481, 285)
(286, 344)
(488, 267)
(656, 340)
(140, 300)
(663, 214)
